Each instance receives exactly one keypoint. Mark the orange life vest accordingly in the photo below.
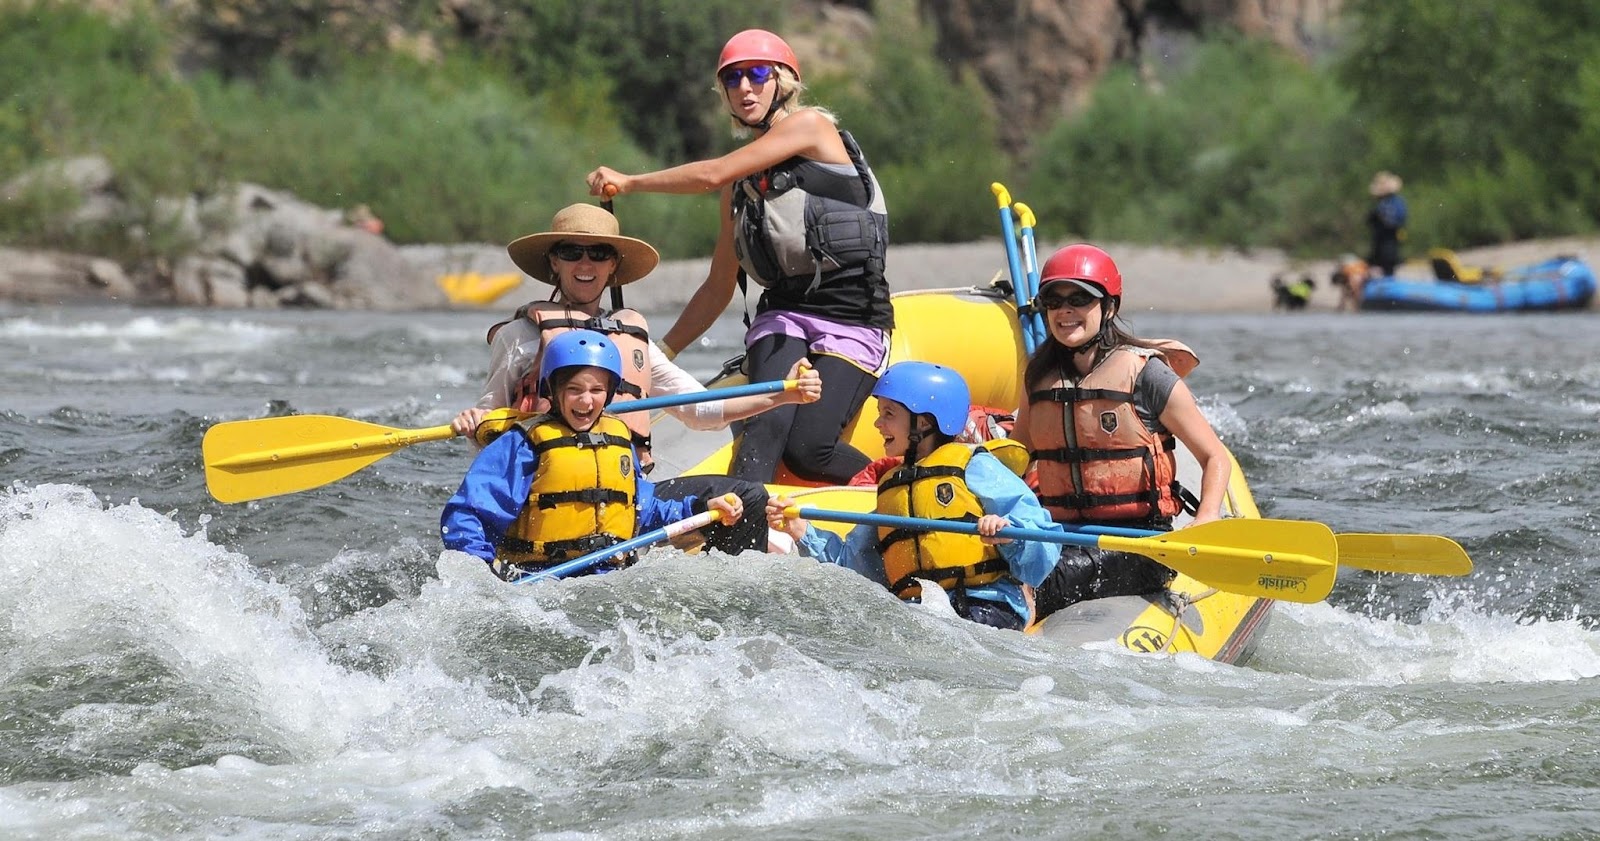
(1096, 460)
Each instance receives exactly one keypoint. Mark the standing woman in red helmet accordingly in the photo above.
(1102, 411)
(803, 216)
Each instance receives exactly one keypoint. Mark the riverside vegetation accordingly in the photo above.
(473, 133)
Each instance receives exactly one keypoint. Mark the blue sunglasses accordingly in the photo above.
(758, 74)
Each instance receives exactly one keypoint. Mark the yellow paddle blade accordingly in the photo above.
(252, 459)
(1418, 554)
(1290, 560)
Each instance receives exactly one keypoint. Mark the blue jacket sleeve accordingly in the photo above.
(491, 496)
(857, 551)
(654, 512)
(1001, 492)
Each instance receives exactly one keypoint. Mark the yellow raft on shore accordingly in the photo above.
(975, 331)
(477, 290)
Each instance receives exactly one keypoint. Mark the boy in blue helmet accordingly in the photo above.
(569, 483)
(921, 408)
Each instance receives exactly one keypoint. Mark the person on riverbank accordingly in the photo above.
(565, 483)
(1387, 221)
(582, 256)
(921, 408)
(825, 295)
(1101, 413)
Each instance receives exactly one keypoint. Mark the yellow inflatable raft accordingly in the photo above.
(477, 290)
(975, 331)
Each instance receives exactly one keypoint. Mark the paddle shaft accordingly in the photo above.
(666, 532)
(1034, 322)
(609, 206)
(395, 439)
(1019, 279)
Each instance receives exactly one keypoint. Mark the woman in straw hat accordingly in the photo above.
(1387, 219)
(825, 294)
(581, 256)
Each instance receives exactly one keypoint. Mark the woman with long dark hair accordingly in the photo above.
(1103, 413)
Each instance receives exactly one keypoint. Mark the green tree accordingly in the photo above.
(652, 60)
(1490, 110)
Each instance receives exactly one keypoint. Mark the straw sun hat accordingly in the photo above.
(1384, 183)
(590, 225)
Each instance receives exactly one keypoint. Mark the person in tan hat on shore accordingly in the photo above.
(1387, 220)
(581, 256)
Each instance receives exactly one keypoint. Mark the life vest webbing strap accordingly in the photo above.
(595, 496)
(583, 439)
(556, 552)
(1082, 454)
(1080, 501)
(599, 324)
(898, 535)
(911, 473)
(939, 575)
(1075, 395)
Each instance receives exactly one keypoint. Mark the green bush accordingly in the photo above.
(1491, 110)
(1244, 146)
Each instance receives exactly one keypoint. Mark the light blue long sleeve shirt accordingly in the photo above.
(496, 487)
(999, 491)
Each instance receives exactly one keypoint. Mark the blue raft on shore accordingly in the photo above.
(1556, 284)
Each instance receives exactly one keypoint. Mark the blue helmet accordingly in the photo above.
(580, 348)
(926, 388)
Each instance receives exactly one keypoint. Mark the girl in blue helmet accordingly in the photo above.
(565, 483)
(921, 408)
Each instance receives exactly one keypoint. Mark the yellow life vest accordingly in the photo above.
(583, 493)
(934, 488)
(1095, 458)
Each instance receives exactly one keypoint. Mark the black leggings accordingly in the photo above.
(807, 436)
(1085, 573)
(749, 533)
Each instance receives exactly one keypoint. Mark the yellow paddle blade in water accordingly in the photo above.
(1418, 554)
(253, 459)
(1289, 560)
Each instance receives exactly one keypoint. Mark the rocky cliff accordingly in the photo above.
(1041, 58)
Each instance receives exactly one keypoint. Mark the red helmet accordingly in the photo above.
(757, 45)
(1082, 262)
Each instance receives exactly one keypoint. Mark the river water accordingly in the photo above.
(314, 666)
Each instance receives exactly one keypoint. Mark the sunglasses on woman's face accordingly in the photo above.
(572, 252)
(758, 74)
(1077, 299)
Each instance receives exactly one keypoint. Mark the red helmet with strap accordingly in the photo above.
(757, 45)
(1082, 262)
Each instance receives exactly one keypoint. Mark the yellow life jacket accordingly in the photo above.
(934, 488)
(1096, 460)
(583, 493)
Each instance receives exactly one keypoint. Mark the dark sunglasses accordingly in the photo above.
(1077, 299)
(758, 74)
(572, 252)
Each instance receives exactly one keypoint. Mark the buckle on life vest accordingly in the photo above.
(589, 438)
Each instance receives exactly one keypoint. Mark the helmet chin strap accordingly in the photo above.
(766, 122)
